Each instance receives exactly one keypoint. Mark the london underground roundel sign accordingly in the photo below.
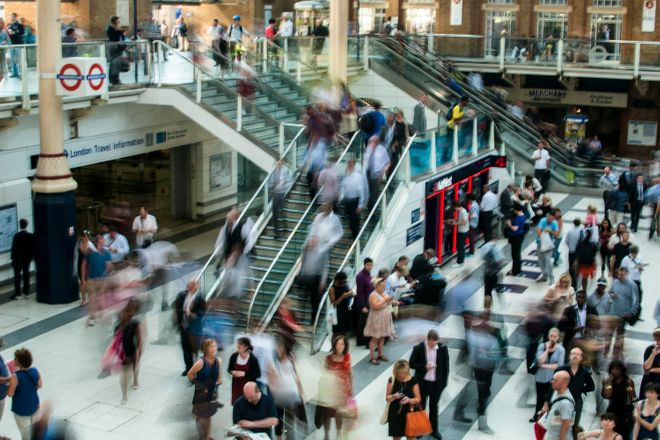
(70, 77)
(96, 76)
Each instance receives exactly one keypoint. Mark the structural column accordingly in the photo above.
(54, 199)
(338, 70)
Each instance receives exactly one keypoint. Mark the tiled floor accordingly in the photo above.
(68, 358)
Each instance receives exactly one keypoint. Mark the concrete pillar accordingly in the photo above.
(337, 70)
(54, 200)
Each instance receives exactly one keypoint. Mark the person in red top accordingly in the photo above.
(338, 362)
(243, 367)
(271, 29)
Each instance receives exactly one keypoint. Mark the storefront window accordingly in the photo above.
(371, 19)
(499, 24)
(499, 2)
(552, 2)
(604, 28)
(551, 23)
(420, 20)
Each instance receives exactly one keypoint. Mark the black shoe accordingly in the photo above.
(436, 435)
(533, 419)
(460, 417)
(14, 297)
(185, 373)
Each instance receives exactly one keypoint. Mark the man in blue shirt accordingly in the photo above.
(545, 247)
(255, 411)
(97, 265)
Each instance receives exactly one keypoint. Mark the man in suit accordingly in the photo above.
(189, 310)
(419, 116)
(430, 360)
(22, 254)
(636, 198)
(574, 321)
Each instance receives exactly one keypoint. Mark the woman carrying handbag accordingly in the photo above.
(403, 396)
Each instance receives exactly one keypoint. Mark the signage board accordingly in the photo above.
(81, 76)
(569, 97)
(648, 15)
(456, 13)
(414, 233)
(415, 215)
(445, 180)
(643, 133)
(220, 171)
(8, 226)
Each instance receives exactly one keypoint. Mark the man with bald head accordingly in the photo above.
(559, 418)
(255, 411)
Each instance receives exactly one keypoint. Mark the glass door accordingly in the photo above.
(604, 29)
(498, 24)
(420, 20)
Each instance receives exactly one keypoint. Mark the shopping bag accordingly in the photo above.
(547, 243)
(417, 423)
(114, 355)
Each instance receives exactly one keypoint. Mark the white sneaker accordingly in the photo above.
(457, 265)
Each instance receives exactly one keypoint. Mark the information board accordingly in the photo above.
(8, 226)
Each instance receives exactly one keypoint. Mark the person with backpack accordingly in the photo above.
(455, 113)
(560, 416)
(235, 36)
(585, 257)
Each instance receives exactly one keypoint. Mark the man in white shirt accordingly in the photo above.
(487, 207)
(377, 162)
(462, 228)
(116, 244)
(354, 194)
(572, 239)
(542, 164)
(216, 32)
(328, 183)
(286, 28)
(144, 227)
(324, 232)
(635, 265)
(609, 182)
(278, 183)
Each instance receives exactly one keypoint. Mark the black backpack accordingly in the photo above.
(367, 122)
(450, 112)
(586, 252)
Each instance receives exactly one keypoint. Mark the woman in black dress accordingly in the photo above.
(205, 375)
(340, 296)
(402, 394)
(132, 341)
(652, 361)
(619, 389)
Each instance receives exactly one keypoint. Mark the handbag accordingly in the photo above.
(386, 414)
(114, 355)
(332, 315)
(547, 244)
(417, 422)
(350, 410)
(533, 367)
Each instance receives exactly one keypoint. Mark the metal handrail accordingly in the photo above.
(250, 202)
(277, 257)
(282, 99)
(376, 206)
(255, 109)
(281, 251)
(518, 129)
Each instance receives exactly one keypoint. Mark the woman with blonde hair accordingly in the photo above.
(379, 321)
(559, 296)
(402, 394)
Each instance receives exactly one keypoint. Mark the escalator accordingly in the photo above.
(428, 73)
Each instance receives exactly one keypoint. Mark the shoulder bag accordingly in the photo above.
(417, 422)
(547, 244)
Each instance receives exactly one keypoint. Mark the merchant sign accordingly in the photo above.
(569, 97)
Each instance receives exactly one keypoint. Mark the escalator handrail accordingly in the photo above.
(281, 292)
(481, 103)
(304, 91)
(375, 208)
(556, 147)
(245, 208)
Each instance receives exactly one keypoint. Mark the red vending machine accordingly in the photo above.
(443, 190)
